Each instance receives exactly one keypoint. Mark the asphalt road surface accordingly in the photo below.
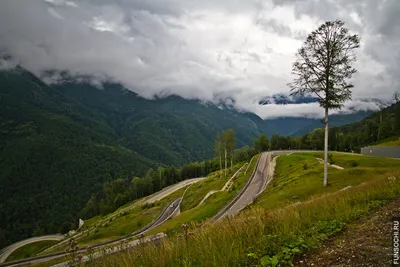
(169, 190)
(6, 252)
(255, 186)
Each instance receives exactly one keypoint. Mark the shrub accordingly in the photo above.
(354, 163)
(330, 158)
(147, 206)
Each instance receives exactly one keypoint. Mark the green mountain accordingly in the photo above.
(53, 155)
(59, 144)
(375, 128)
(170, 130)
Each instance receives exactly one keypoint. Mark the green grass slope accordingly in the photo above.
(299, 176)
(274, 234)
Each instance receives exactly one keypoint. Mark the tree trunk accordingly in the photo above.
(220, 166)
(226, 162)
(326, 150)
(232, 159)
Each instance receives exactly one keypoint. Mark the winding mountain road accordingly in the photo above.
(255, 185)
(259, 179)
(6, 252)
(171, 189)
(168, 212)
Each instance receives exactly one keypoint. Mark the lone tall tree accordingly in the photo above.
(322, 68)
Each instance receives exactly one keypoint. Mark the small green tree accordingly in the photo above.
(275, 141)
(322, 68)
(219, 150)
(230, 143)
(261, 143)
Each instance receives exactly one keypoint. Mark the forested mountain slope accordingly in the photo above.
(375, 128)
(171, 130)
(334, 120)
(59, 144)
(53, 155)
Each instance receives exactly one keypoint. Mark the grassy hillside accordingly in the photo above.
(394, 141)
(30, 250)
(298, 176)
(260, 237)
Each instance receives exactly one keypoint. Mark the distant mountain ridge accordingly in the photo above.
(284, 99)
(298, 126)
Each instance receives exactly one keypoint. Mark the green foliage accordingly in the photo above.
(280, 142)
(280, 250)
(261, 143)
(324, 64)
(354, 163)
(330, 158)
(244, 154)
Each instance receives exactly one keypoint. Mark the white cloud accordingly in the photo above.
(208, 50)
(6, 65)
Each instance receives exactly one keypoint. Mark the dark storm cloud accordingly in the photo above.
(210, 50)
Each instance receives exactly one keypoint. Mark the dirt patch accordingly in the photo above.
(364, 243)
(332, 165)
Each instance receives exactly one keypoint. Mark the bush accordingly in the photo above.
(330, 158)
(147, 206)
(305, 166)
(354, 163)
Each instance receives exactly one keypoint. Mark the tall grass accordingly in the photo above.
(259, 237)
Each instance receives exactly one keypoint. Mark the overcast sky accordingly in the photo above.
(205, 49)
